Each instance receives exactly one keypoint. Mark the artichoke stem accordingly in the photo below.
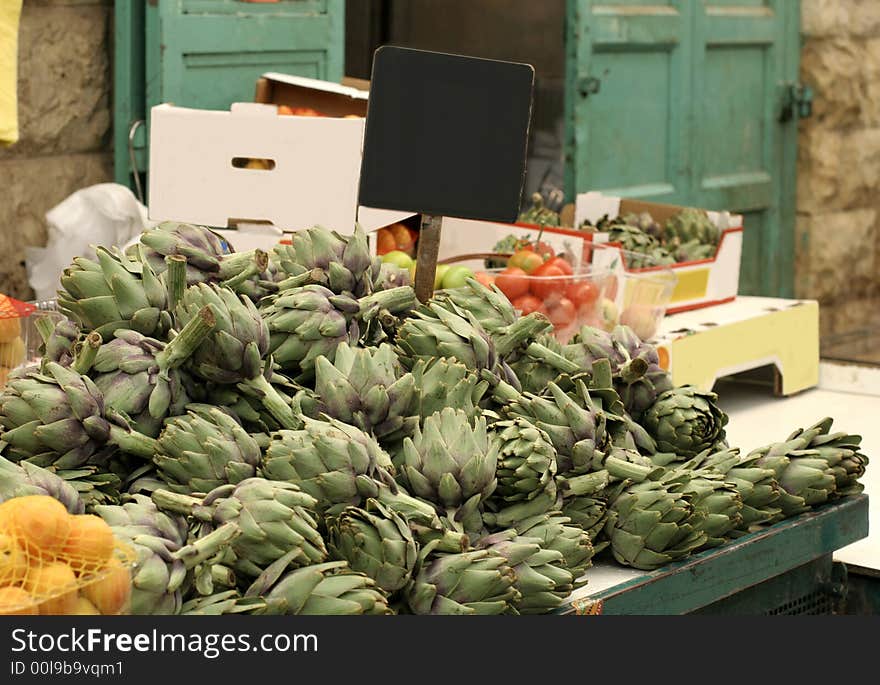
(175, 279)
(232, 265)
(85, 356)
(395, 300)
(625, 470)
(175, 502)
(222, 575)
(206, 547)
(188, 340)
(633, 370)
(280, 410)
(587, 484)
(132, 442)
(45, 326)
(257, 265)
(525, 328)
(502, 392)
(446, 540)
(544, 354)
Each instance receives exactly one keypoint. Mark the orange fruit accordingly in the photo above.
(13, 561)
(16, 602)
(41, 523)
(111, 591)
(85, 608)
(53, 586)
(89, 543)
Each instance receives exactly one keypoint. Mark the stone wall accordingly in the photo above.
(838, 199)
(64, 122)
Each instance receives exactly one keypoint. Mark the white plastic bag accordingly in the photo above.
(105, 214)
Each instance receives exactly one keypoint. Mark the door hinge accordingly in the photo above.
(797, 102)
(588, 85)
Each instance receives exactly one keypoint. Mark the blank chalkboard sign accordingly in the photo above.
(446, 135)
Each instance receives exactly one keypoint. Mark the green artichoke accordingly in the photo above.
(685, 421)
(335, 463)
(367, 388)
(451, 461)
(638, 383)
(375, 541)
(490, 307)
(559, 533)
(813, 466)
(526, 461)
(331, 588)
(444, 382)
(139, 376)
(310, 321)
(535, 374)
(205, 449)
(575, 431)
(468, 583)
(341, 263)
(276, 519)
(59, 342)
(542, 581)
(58, 419)
(711, 495)
(692, 224)
(113, 293)
(161, 571)
(17, 480)
(757, 486)
(234, 350)
(649, 526)
(538, 213)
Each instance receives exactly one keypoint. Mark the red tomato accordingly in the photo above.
(485, 279)
(549, 282)
(526, 260)
(385, 241)
(513, 282)
(562, 264)
(528, 304)
(544, 250)
(583, 293)
(562, 313)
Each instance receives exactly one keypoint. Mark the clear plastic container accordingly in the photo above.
(29, 333)
(636, 297)
(569, 301)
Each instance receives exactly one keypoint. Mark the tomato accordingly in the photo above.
(563, 313)
(485, 279)
(385, 242)
(526, 260)
(562, 264)
(548, 283)
(544, 250)
(513, 282)
(583, 293)
(403, 237)
(528, 304)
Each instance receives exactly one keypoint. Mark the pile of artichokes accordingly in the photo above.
(292, 433)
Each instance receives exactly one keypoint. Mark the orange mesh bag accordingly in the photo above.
(56, 563)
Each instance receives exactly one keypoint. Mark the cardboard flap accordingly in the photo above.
(198, 167)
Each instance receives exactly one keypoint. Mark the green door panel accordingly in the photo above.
(680, 102)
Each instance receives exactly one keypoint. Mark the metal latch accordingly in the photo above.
(797, 102)
(588, 85)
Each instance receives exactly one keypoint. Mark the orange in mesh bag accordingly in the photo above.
(53, 562)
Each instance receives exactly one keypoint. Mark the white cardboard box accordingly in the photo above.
(313, 180)
(701, 283)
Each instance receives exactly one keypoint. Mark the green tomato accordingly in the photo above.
(456, 277)
(398, 257)
(439, 274)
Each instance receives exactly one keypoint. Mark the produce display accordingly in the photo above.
(689, 235)
(294, 433)
(56, 562)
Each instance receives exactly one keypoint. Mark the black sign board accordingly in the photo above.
(446, 135)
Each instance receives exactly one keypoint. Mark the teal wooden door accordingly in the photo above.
(209, 53)
(682, 102)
